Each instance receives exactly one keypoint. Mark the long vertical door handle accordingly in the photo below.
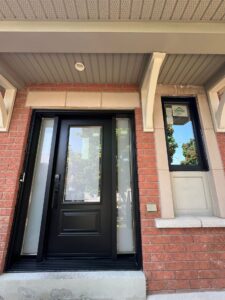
(55, 196)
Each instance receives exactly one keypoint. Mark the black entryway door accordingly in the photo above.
(81, 206)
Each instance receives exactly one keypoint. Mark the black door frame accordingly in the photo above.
(16, 262)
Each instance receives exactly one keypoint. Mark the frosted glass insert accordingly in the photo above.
(125, 232)
(83, 167)
(36, 201)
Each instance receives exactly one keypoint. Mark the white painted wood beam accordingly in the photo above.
(217, 106)
(6, 103)
(148, 89)
(112, 37)
(3, 113)
(220, 113)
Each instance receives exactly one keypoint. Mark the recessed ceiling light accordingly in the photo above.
(79, 66)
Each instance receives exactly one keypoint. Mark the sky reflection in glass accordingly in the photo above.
(182, 134)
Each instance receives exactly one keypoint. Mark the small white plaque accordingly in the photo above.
(152, 207)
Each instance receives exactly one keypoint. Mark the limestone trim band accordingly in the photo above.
(190, 222)
(82, 100)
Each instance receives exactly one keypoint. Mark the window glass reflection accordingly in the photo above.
(181, 141)
(37, 194)
(125, 230)
(83, 167)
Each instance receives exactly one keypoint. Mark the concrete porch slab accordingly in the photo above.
(103, 285)
(220, 295)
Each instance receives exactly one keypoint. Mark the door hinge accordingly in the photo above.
(22, 177)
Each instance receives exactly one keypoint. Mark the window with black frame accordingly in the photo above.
(183, 135)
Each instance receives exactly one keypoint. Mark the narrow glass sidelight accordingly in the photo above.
(37, 193)
(83, 166)
(125, 220)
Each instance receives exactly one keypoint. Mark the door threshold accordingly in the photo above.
(78, 264)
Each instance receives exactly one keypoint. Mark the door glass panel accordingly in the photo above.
(125, 229)
(83, 166)
(36, 201)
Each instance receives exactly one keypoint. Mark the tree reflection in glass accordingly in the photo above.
(180, 135)
(125, 239)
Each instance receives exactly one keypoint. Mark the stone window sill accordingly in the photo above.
(190, 222)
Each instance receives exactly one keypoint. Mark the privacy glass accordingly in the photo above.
(83, 166)
(36, 200)
(125, 221)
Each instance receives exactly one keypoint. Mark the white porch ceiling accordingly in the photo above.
(36, 68)
(124, 10)
(59, 68)
(190, 69)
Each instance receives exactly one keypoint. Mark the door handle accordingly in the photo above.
(56, 188)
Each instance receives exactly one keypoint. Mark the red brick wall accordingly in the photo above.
(12, 145)
(175, 259)
(221, 142)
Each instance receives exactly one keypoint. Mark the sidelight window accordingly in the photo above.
(125, 229)
(37, 193)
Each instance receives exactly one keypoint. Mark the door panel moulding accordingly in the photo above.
(6, 103)
(148, 89)
(217, 104)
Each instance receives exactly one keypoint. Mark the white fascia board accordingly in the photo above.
(145, 27)
(148, 90)
(6, 103)
(112, 37)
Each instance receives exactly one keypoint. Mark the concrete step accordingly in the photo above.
(103, 285)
